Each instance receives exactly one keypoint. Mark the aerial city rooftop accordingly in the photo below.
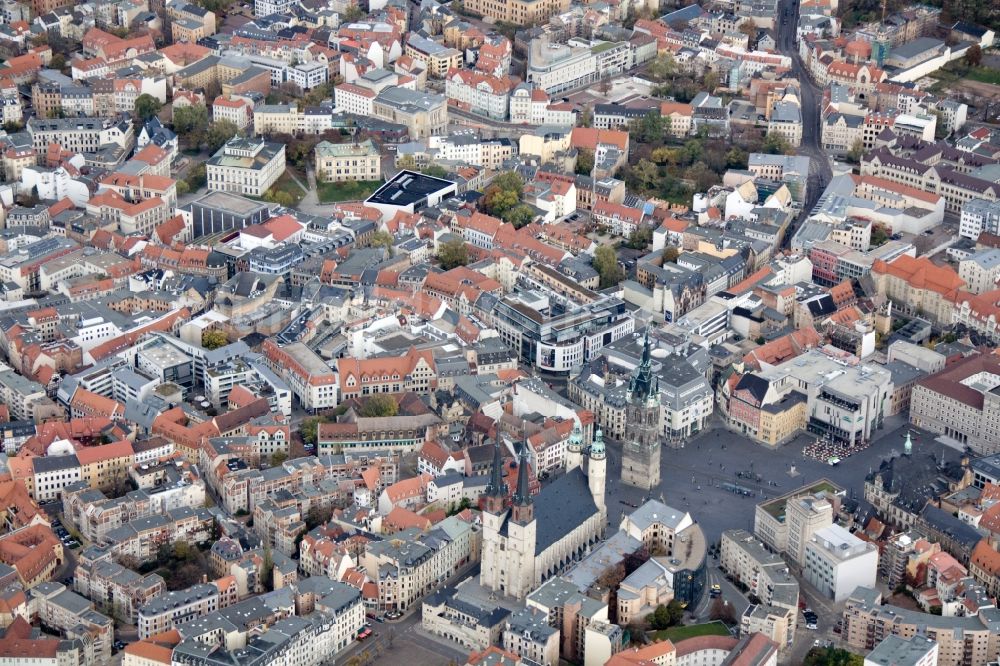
(499, 333)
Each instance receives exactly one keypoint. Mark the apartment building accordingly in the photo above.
(114, 588)
(414, 563)
(836, 562)
(105, 465)
(896, 651)
(979, 216)
(521, 12)
(480, 93)
(289, 119)
(980, 270)
(172, 609)
(342, 162)
(75, 618)
(351, 98)
(137, 188)
(52, 474)
(81, 135)
(26, 399)
(471, 625)
(189, 22)
(246, 166)
(312, 382)
(34, 553)
(786, 524)
(972, 640)
(469, 147)
(843, 401)
(748, 562)
(234, 108)
(142, 537)
(438, 58)
(527, 633)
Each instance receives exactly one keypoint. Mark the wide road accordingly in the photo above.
(811, 98)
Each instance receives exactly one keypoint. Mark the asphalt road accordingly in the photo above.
(811, 98)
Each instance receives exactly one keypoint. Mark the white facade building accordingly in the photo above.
(837, 562)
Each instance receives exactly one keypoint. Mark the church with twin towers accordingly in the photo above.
(535, 538)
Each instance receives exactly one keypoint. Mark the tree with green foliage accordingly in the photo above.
(278, 457)
(435, 170)
(670, 255)
(182, 187)
(466, 503)
(606, 264)
(666, 616)
(520, 215)
(309, 429)
(190, 124)
(452, 254)
(380, 404)
(723, 611)
(219, 133)
(702, 176)
(641, 237)
(280, 197)
(381, 239)
(58, 62)
(648, 129)
(711, 81)
(584, 161)
(146, 107)
(503, 195)
(831, 656)
(317, 515)
(352, 13)
(662, 68)
(197, 177)
(775, 144)
(498, 201)
(219, 7)
(855, 153)
(737, 158)
(213, 338)
(586, 118)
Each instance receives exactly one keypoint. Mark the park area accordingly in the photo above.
(682, 632)
(346, 191)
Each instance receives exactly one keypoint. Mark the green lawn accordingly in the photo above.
(286, 184)
(984, 75)
(681, 633)
(349, 191)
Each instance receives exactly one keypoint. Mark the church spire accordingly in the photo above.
(496, 491)
(641, 387)
(523, 511)
(522, 495)
(495, 487)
